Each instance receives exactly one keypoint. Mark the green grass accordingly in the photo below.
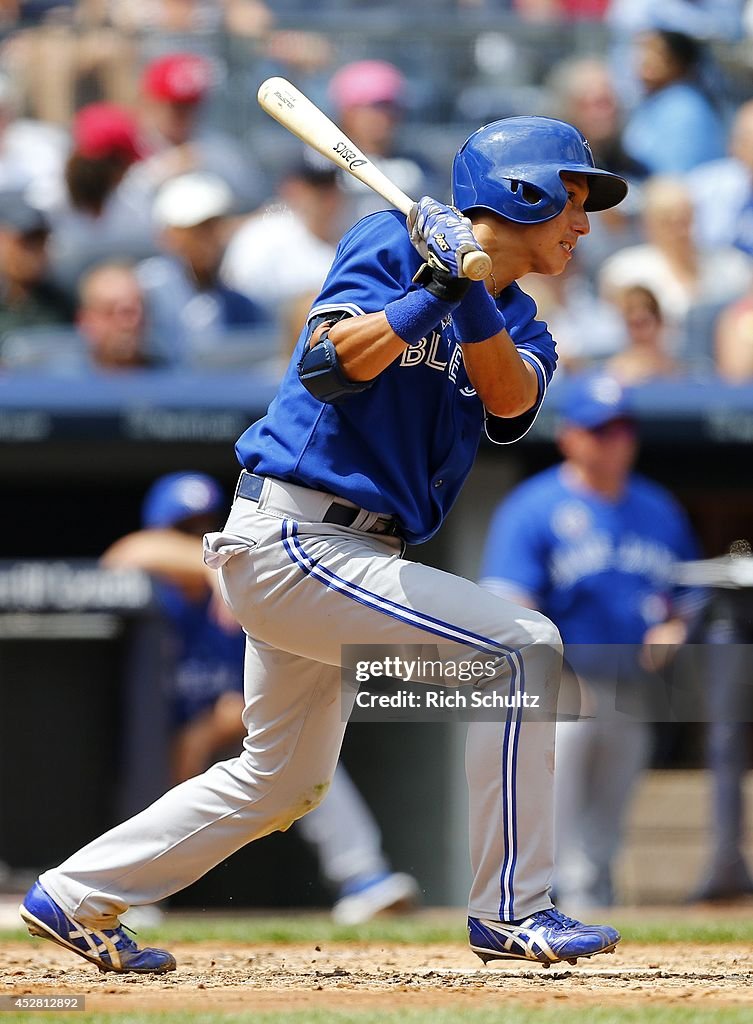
(507, 1014)
(431, 927)
(687, 930)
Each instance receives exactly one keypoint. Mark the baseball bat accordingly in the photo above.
(299, 115)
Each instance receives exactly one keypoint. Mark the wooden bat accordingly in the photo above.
(299, 115)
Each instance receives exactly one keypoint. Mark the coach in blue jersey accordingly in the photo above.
(401, 366)
(593, 546)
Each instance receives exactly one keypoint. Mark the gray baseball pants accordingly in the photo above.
(302, 589)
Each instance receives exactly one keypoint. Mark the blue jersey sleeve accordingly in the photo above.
(374, 260)
(515, 556)
(536, 346)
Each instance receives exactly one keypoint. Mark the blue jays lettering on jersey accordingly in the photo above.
(601, 570)
(404, 446)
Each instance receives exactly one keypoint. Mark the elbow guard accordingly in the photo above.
(321, 374)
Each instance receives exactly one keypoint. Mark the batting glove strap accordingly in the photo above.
(442, 284)
(477, 318)
(414, 315)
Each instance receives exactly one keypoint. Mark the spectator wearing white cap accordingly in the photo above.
(296, 234)
(369, 99)
(188, 308)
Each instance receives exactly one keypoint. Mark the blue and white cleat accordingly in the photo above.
(363, 899)
(110, 949)
(546, 937)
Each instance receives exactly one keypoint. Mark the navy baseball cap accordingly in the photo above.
(311, 167)
(20, 216)
(593, 400)
(180, 496)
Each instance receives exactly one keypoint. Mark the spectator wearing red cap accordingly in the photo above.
(369, 98)
(560, 11)
(97, 219)
(174, 90)
(105, 133)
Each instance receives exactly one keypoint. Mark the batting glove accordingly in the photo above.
(441, 235)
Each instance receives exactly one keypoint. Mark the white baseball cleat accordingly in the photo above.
(364, 899)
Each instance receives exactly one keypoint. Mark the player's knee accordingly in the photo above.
(303, 803)
(314, 796)
(278, 796)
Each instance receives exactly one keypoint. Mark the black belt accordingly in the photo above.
(250, 485)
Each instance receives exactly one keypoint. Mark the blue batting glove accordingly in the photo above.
(441, 235)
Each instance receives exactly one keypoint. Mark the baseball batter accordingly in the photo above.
(402, 365)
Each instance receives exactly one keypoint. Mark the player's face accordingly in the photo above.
(604, 453)
(551, 245)
(547, 248)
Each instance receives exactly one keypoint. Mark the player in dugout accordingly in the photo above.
(403, 363)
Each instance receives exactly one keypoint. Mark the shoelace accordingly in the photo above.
(559, 918)
(123, 942)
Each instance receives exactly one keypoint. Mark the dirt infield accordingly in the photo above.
(236, 977)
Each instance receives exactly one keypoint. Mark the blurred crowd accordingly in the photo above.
(151, 216)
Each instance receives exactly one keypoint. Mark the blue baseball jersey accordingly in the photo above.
(600, 569)
(404, 446)
(208, 658)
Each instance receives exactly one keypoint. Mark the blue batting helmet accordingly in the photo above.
(512, 167)
(179, 496)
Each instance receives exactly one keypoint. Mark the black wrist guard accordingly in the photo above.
(442, 284)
